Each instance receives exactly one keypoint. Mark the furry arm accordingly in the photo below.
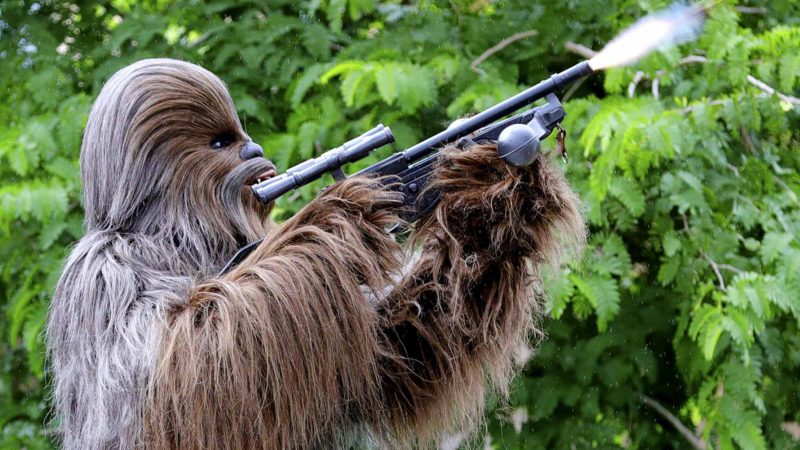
(283, 346)
(457, 318)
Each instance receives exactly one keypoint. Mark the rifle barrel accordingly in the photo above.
(498, 111)
(310, 170)
(359, 147)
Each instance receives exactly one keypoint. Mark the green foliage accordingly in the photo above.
(689, 290)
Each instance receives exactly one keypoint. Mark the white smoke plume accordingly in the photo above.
(674, 25)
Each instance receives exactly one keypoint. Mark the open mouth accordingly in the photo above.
(259, 170)
(263, 176)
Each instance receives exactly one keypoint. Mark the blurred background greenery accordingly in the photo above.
(680, 326)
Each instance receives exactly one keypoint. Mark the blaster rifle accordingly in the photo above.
(518, 139)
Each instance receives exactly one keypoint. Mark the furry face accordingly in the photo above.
(170, 129)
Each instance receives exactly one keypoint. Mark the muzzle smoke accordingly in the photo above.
(657, 31)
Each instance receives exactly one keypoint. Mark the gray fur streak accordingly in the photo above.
(100, 328)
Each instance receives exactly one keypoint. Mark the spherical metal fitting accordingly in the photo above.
(518, 145)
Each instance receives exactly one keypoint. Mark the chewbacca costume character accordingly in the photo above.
(329, 334)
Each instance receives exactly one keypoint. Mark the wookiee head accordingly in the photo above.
(164, 154)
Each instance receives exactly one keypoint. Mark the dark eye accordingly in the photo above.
(221, 141)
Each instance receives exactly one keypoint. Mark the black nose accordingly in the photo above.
(251, 150)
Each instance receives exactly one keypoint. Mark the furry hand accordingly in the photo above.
(364, 200)
(501, 211)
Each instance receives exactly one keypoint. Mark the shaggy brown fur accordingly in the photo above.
(327, 335)
(313, 358)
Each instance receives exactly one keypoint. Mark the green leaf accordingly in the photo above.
(789, 67)
(280, 148)
(748, 291)
(709, 336)
(307, 80)
(317, 40)
(609, 256)
(354, 83)
(602, 293)
(342, 68)
(773, 244)
(741, 328)
(614, 80)
(629, 193)
(559, 289)
(32, 335)
(668, 269)
(670, 243)
(19, 307)
(416, 87)
(701, 317)
(50, 233)
(358, 8)
(385, 78)
(334, 13)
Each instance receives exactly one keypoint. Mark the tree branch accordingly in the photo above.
(717, 102)
(731, 268)
(696, 442)
(715, 267)
(573, 88)
(751, 9)
(499, 46)
(748, 143)
(770, 90)
(589, 53)
(693, 59)
(685, 221)
(637, 77)
(579, 49)
(789, 190)
(654, 87)
(733, 168)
